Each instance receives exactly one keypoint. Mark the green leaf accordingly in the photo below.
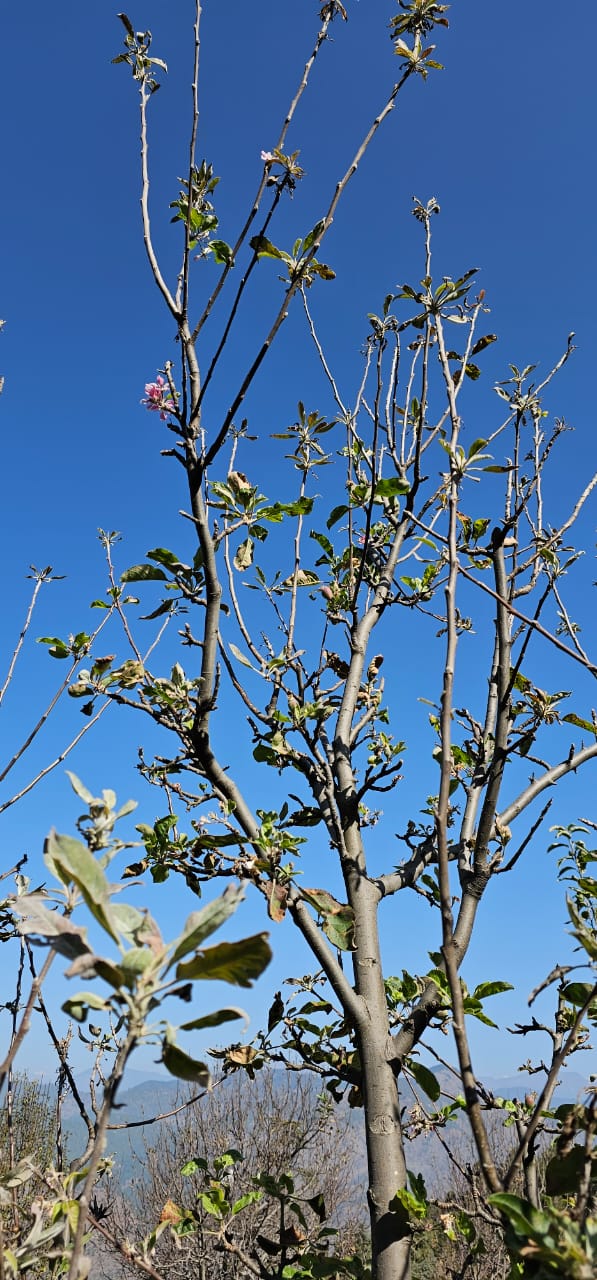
(564, 1172)
(251, 1197)
(339, 928)
(134, 962)
(475, 1009)
(425, 1078)
(238, 963)
(200, 924)
(577, 992)
(78, 1006)
(524, 1219)
(391, 487)
(323, 901)
(58, 648)
(416, 1183)
(313, 235)
(244, 554)
(585, 936)
(68, 939)
(265, 249)
(571, 718)
(131, 922)
(303, 578)
(127, 24)
(197, 1164)
(407, 1206)
(143, 573)
(168, 559)
(483, 342)
(77, 786)
(183, 1067)
(165, 607)
(317, 1204)
(336, 514)
(491, 989)
(277, 510)
(72, 861)
(214, 1201)
(230, 1014)
(222, 253)
(323, 542)
(240, 657)
(265, 755)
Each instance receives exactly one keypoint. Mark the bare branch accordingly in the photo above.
(40, 578)
(546, 1094)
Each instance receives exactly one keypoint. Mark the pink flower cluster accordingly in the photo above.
(158, 399)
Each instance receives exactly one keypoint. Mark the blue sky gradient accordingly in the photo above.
(502, 137)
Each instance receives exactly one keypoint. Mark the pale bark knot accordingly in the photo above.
(381, 1124)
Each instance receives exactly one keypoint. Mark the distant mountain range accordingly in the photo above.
(429, 1153)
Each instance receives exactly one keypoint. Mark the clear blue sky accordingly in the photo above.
(503, 137)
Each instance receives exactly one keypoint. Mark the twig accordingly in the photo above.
(42, 577)
(58, 760)
(449, 945)
(297, 281)
(60, 1050)
(126, 1251)
(164, 1115)
(192, 145)
(543, 1101)
(530, 622)
(25, 1023)
(110, 1090)
(321, 37)
(147, 239)
(43, 718)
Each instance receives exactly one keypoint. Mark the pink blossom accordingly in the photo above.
(267, 157)
(158, 398)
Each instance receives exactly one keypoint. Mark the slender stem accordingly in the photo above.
(546, 1093)
(125, 1250)
(298, 278)
(147, 238)
(24, 629)
(531, 622)
(59, 1046)
(237, 299)
(25, 1022)
(97, 1150)
(321, 37)
(295, 572)
(6, 804)
(53, 701)
(192, 146)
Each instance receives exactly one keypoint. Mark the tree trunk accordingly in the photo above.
(390, 1234)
